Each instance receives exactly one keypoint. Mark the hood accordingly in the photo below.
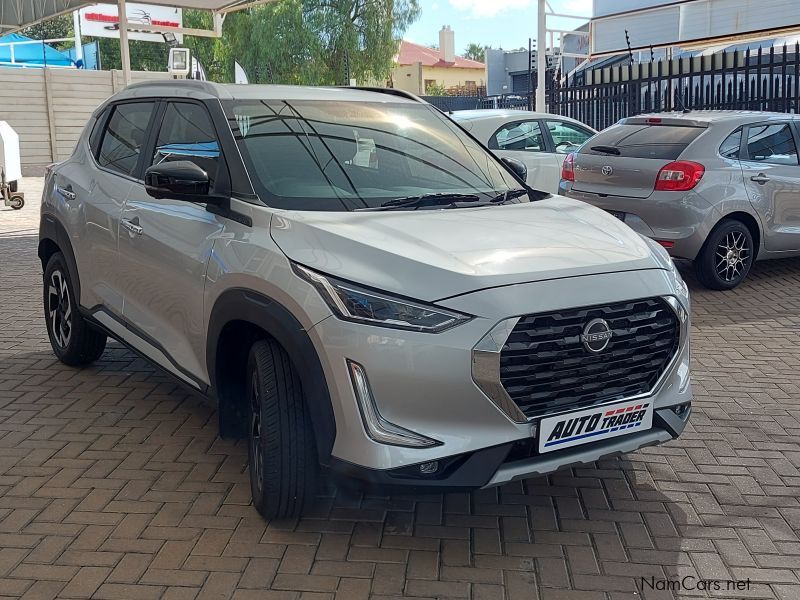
(435, 254)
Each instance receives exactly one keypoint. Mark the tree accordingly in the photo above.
(51, 29)
(476, 52)
(317, 42)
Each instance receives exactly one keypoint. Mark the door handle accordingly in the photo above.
(760, 178)
(66, 192)
(134, 228)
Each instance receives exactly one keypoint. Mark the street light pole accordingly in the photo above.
(124, 49)
(541, 56)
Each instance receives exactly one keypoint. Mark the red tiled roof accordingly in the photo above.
(411, 53)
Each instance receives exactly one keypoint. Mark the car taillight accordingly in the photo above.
(679, 176)
(568, 168)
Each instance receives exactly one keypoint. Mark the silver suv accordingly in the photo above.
(720, 188)
(357, 283)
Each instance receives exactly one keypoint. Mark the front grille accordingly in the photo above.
(545, 367)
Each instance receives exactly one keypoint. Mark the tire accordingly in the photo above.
(17, 202)
(13, 186)
(74, 340)
(726, 257)
(281, 449)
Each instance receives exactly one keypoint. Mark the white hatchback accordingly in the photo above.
(539, 140)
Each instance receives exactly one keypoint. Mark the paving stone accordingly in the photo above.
(115, 485)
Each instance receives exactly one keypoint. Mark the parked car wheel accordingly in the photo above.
(74, 340)
(283, 457)
(726, 257)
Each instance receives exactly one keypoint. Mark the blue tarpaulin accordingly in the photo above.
(38, 54)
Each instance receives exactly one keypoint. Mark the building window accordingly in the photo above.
(429, 83)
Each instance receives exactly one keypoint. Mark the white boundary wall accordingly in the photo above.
(48, 108)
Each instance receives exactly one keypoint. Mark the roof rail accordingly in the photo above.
(390, 91)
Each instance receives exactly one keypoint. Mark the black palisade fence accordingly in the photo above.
(742, 80)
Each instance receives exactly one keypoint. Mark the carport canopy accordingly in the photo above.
(18, 14)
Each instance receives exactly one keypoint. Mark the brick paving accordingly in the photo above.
(114, 484)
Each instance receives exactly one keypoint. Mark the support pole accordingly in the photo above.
(76, 25)
(541, 56)
(124, 49)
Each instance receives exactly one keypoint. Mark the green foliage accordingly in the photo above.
(476, 52)
(145, 56)
(435, 89)
(308, 42)
(58, 27)
(316, 42)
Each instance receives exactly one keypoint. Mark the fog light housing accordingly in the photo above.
(681, 410)
(429, 468)
(379, 429)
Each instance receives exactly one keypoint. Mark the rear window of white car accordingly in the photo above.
(664, 142)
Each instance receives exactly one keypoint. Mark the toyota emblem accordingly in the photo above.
(607, 170)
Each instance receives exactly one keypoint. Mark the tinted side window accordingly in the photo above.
(526, 135)
(664, 142)
(124, 136)
(771, 144)
(188, 134)
(730, 147)
(566, 136)
(97, 132)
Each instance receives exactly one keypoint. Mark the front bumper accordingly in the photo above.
(513, 461)
(424, 384)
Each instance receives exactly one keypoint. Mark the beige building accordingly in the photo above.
(419, 67)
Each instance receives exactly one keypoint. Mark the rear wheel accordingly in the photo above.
(74, 340)
(726, 257)
(283, 457)
(16, 202)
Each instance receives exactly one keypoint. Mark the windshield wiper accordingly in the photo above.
(606, 150)
(507, 195)
(424, 200)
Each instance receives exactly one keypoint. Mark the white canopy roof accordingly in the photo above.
(16, 14)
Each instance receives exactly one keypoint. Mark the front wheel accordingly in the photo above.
(74, 341)
(726, 257)
(283, 456)
(16, 202)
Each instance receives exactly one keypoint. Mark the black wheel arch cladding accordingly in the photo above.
(262, 312)
(52, 231)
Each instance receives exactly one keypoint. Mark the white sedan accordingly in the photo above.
(539, 140)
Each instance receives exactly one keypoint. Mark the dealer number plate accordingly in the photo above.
(594, 424)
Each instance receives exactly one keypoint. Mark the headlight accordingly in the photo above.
(352, 302)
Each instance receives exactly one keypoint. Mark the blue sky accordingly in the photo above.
(497, 23)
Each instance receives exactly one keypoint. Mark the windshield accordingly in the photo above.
(312, 155)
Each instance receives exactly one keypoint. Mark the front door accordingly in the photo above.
(165, 245)
(772, 179)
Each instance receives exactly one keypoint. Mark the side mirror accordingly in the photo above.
(181, 179)
(518, 167)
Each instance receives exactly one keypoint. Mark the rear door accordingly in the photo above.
(165, 245)
(771, 172)
(97, 192)
(624, 160)
(525, 141)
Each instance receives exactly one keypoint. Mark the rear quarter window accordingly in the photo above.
(664, 142)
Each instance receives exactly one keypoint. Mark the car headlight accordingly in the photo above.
(352, 302)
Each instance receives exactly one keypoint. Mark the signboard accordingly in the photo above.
(102, 20)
